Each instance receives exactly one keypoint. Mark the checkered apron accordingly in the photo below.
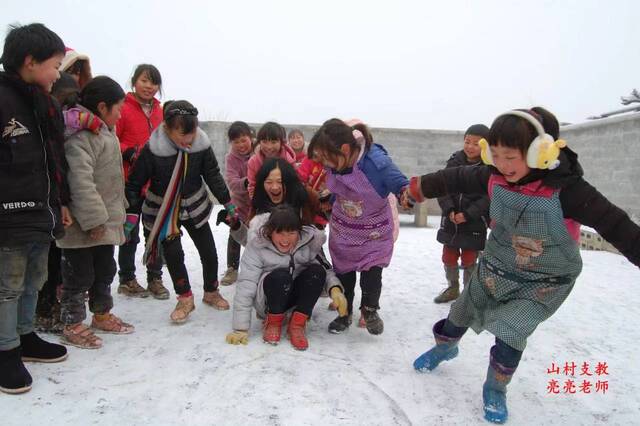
(527, 270)
(361, 225)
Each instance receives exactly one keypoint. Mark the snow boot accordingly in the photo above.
(215, 300)
(296, 329)
(157, 289)
(446, 348)
(272, 328)
(131, 288)
(494, 391)
(230, 276)
(453, 290)
(372, 320)
(14, 377)
(183, 308)
(35, 349)
(339, 324)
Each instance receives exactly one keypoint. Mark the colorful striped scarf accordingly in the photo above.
(166, 227)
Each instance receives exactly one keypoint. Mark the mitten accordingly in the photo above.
(129, 224)
(237, 337)
(339, 301)
(231, 209)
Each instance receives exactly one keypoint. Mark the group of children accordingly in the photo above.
(107, 161)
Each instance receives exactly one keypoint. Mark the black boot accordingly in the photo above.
(372, 320)
(340, 324)
(14, 377)
(37, 350)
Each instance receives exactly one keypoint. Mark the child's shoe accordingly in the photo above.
(494, 391)
(230, 276)
(35, 349)
(296, 331)
(81, 336)
(339, 324)
(109, 323)
(215, 300)
(182, 310)
(157, 289)
(452, 292)
(446, 348)
(14, 377)
(372, 320)
(131, 288)
(272, 328)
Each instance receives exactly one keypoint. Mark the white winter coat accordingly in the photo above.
(261, 257)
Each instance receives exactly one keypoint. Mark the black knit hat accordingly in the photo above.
(478, 130)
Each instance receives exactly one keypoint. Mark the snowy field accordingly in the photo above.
(167, 374)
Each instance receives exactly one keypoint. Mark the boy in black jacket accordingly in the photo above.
(463, 228)
(32, 190)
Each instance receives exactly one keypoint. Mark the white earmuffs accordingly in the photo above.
(543, 152)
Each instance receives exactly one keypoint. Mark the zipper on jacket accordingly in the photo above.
(46, 166)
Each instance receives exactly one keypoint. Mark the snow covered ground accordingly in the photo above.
(187, 374)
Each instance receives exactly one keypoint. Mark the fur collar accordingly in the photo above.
(162, 146)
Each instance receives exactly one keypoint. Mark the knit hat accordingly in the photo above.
(70, 57)
(478, 130)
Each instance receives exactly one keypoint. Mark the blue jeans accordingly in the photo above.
(23, 271)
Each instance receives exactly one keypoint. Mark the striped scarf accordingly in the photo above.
(166, 225)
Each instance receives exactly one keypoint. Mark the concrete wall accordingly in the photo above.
(609, 150)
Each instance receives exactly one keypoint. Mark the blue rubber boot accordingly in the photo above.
(494, 392)
(446, 348)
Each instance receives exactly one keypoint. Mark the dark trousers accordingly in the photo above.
(233, 253)
(127, 259)
(283, 292)
(501, 353)
(370, 283)
(86, 269)
(48, 295)
(206, 246)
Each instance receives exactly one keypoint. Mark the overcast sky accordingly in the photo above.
(407, 64)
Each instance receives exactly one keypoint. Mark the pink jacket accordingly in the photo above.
(255, 162)
(235, 174)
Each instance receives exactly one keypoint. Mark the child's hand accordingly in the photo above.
(407, 201)
(98, 232)
(237, 337)
(232, 211)
(129, 224)
(460, 218)
(67, 219)
(452, 216)
(339, 301)
(414, 190)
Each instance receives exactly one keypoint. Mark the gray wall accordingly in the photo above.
(609, 150)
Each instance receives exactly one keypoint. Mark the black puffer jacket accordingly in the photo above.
(155, 165)
(472, 234)
(29, 172)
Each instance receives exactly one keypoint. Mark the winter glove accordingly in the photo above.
(237, 337)
(222, 218)
(339, 301)
(129, 224)
(232, 211)
(129, 154)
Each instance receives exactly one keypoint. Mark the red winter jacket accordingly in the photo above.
(134, 127)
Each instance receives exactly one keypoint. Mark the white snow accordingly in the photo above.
(187, 374)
